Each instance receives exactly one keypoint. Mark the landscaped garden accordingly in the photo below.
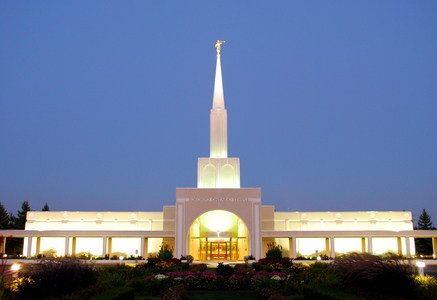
(354, 276)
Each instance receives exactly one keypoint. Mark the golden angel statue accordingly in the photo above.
(218, 46)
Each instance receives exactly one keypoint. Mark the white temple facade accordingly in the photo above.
(218, 220)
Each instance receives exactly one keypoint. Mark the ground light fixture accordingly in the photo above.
(421, 266)
(15, 267)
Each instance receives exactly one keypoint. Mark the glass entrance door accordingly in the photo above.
(219, 251)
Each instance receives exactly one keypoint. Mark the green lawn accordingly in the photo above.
(225, 295)
(218, 295)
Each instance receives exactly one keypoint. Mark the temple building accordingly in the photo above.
(218, 220)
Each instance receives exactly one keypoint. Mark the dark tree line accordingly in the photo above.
(424, 245)
(10, 221)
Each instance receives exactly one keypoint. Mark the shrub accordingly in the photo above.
(165, 252)
(240, 267)
(164, 264)
(287, 262)
(155, 285)
(274, 252)
(263, 282)
(380, 276)
(270, 294)
(177, 292)
(49, 253)
(427, 286)
(224, 270)
(115, 274)
(114, 279)
(151, 262)
(53, 278)
(198, 268)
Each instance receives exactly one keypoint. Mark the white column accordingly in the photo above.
(407, 245)
(73, 247)
(292, 247)
(399, 245)
(142, 251)
(67, 245)
(104, 246)
(370, 245)
(180, 238)
(332, 246)
(256, 234)
(29, 246)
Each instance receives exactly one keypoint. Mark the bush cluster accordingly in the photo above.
(224, 270)
(54, 277)
(355, 276)
(274, 251)
(165, 252)
(391, 277)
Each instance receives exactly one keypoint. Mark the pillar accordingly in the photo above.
(399, 246)
(73, 247)
(67, 245)
(2, 245)
(434, 246)
(370, 245)
(363, 245)
(38, 245)
(407, 242)
(29, 246)
(327, 248)
(291, 248)
(105, 239)
(109, 247)
(332, 246)
(145, 247)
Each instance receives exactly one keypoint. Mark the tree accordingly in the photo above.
(11, 220)
(425, 221)
(4, 217)
(46, 207)
(424, 245)
(20, 220)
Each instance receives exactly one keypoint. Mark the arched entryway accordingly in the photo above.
(218, 235)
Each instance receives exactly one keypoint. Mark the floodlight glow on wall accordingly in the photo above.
(218, 220)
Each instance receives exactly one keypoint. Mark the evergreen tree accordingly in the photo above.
(4, 217)
(425, 221)
(46, 207)
(20, 220)
(11, 220)
(424, 245)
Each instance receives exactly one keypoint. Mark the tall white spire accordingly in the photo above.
(218, 170)
(219, 117)
(219, 99)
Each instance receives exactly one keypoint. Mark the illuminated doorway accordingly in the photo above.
(218, 235)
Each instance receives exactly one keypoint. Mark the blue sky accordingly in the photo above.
(104, 105)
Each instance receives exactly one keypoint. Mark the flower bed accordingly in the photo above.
(290, 282)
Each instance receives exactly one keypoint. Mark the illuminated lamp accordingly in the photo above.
(421, 266)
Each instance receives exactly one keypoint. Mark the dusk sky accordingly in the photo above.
(104, 105)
